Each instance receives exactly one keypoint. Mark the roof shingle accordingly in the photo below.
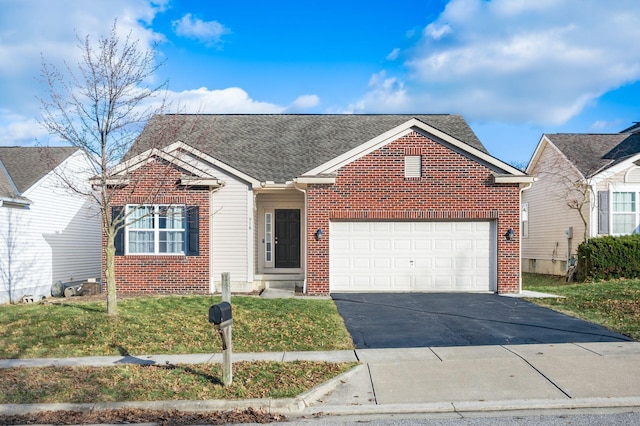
(592, 153)
(27, 165)
(279, 147)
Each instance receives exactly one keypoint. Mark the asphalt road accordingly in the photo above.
(405, 320)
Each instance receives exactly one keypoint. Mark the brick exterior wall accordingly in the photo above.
(452, 187)
(158, 183)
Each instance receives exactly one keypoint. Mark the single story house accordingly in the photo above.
(333, 203)
(587, 185)
(47, 232)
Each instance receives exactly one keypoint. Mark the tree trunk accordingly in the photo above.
(109, 273)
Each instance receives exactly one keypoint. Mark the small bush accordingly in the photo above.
(608, 257)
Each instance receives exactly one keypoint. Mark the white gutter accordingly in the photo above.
(306, 238)
(522, 189)
(15, 201)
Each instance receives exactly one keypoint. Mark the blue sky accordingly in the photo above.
(515, 69)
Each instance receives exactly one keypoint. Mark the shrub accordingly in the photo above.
(609, 257)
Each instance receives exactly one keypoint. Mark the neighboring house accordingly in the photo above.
(334, 203)
(587, 185)
(47, 232)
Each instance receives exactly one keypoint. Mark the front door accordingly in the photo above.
(287, 238)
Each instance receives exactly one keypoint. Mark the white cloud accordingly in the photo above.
(209, 32)
(306, 101)
(394, 54)
(385, 95)
(537, 61)
(32, 30)
(232, 100)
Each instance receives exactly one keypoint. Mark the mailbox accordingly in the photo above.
(220, 313)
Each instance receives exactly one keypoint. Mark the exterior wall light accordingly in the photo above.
(318, 234)
(510, 234)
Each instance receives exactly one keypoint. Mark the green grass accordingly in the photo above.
(168, 325)
(156, 383)
(613, 304)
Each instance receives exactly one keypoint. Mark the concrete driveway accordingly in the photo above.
(405, 320)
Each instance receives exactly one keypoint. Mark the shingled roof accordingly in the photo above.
(26, 165)
(279, 147)
(593, 153)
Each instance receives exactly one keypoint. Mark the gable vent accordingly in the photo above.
(412, 166)
(633, 176)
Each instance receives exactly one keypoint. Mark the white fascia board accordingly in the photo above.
(168, 153)
(198, 181)
(505, 178)
(402, 130)
(537, 152)
(323, 180)
(620, 167)
(217, 163)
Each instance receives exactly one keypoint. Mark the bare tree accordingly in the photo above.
(100, 106)
(571, 188)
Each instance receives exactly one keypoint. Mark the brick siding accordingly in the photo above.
(452, 187)
(158, 183)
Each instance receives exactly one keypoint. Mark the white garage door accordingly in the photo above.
(412, 256)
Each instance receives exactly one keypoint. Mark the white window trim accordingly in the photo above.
(156, 230)
(618, 189)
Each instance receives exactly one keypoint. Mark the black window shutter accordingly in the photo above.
(118, 211)
(603, 212)
(193, 231)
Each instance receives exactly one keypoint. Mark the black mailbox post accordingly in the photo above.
(220, 314)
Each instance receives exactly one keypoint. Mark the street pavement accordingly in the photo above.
(412, 380)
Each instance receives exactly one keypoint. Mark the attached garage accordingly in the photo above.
(388, 256)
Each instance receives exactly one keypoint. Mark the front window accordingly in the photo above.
(625, 213)
(155, 229)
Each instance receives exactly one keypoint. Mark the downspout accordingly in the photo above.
(306, 237)
(212, 286)
(522, 189)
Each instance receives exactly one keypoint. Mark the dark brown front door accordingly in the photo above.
(287, 238)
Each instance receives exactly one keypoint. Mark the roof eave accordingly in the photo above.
(506, 178)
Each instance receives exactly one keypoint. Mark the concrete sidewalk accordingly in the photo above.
(409, 380)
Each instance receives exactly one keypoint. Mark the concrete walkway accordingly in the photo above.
(409, 380)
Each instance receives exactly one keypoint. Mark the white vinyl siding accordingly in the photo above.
(230, 229)
(57, 239)
(412, 256)
(545, 248)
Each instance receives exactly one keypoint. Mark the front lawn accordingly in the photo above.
(613, 304)
(168, 325)
(132, 382)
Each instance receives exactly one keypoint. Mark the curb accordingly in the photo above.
(280, 406)
(475, 406)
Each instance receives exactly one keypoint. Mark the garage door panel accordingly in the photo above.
(412, 256)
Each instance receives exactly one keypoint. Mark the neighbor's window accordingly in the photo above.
(625, 213)
(156, 229)
(412, 166)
